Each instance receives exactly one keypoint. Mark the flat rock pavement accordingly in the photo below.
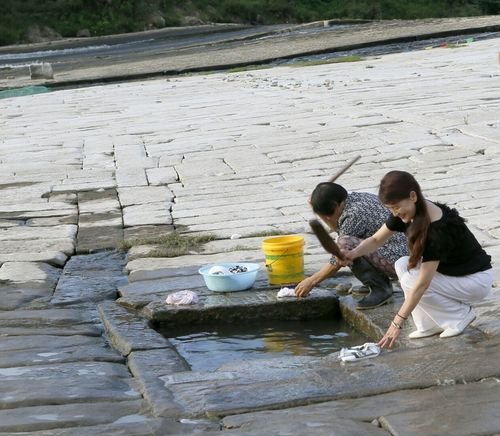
(226, 154)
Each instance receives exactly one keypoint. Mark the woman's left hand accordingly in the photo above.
(390, 337)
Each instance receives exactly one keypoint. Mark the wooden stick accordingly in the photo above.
(325, 239)
(344, 169)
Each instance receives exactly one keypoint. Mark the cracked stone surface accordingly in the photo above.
(226, 154)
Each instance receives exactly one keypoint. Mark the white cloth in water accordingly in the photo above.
(286, 292)
(365, 351)
(218, 270)
(182, 298)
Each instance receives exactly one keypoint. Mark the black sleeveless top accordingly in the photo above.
(450, 242)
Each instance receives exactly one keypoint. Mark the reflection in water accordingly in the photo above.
(212, 347)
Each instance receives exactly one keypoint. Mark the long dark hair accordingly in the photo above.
(326, 197)
(396, 186)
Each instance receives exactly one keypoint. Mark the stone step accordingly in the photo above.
(461, 410)
(268, 384)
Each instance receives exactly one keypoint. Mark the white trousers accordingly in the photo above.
(447, 300)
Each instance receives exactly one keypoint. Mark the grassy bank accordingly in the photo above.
(103, 17)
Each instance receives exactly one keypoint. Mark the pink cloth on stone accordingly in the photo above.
(286, 292)
(182, 298)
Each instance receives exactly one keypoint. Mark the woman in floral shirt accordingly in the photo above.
(356, 216)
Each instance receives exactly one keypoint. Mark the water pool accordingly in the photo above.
(207, 348)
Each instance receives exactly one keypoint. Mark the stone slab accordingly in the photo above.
(127, 332)
(140, 232)
(248, 305)
(68, 330)
(144, 195)
(16, 297)
(95, 238)
(147, 367)
(277, 383)
(66, 246)
(65, 390)
(131, 177)
(46, 318)
(49, 355)
(162, 176)
(157, 213)
(98, 206)
(22, 211)
(72, 187)
(65, 370)
(212, 247)
(422, 403)
(461, 410)
(30, 272)
(54, 258)
(154, 266)
(27, 419)
(109, 218)
(132, 425)
(164, 285)
(53, 221)
(40, 342)
(310, 425)
(30, 233)
(90, 278)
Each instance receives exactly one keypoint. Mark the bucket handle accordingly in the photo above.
(269, 266)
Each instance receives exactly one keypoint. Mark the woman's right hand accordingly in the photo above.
(304, 287)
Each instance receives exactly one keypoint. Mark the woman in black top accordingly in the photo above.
(447, 269)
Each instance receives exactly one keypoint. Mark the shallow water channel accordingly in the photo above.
(208, 347)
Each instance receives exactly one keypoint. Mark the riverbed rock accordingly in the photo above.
(36, 33)
(41, 71)
(83, 33)
(156, 21)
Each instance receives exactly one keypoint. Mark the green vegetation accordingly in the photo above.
(298, 64)
(103, 17)
(327, 61)
(266, 233)
(169, 245)
(249, 68)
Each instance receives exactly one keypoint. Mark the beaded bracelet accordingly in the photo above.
(401, 316)
(396, 325)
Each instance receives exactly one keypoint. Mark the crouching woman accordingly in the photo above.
(447, 269)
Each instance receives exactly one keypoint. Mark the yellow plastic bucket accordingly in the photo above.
(284, 259)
